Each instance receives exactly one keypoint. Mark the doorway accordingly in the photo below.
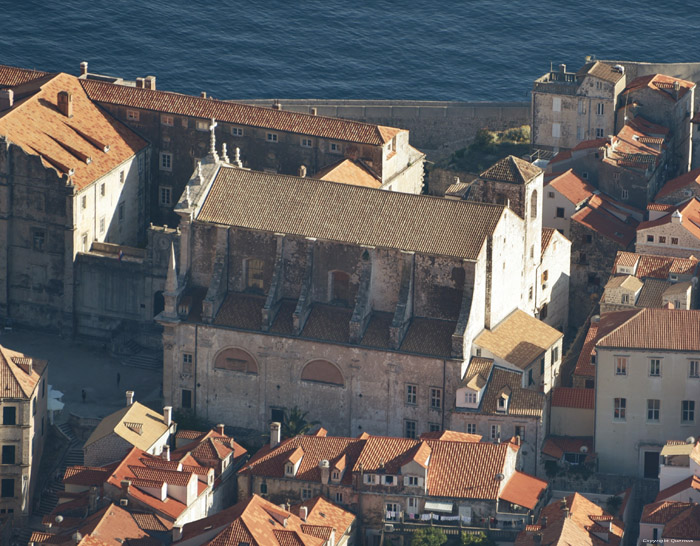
(651, 464)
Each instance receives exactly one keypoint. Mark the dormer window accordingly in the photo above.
(502, 403)
(470, 397)
(289, 470)
(336, 476)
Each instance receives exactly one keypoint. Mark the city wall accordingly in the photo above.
(437, 128)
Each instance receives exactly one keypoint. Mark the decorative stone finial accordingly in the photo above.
(224, 154)
(212, 140)
(237, 160)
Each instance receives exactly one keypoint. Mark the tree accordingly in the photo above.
(429, 536)
(294, 423)
(479, 539)
(613, 504)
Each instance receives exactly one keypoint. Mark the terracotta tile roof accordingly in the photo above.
(347, 171)
(329, 323)
(556, 446)
(511, 169)
(691, 482)
(638, 145)
(660, 83)
(518, 339)
(477, 373)
(451, 436)
(189, 434)
(568, 397)
(659, 267)
(685, 526)
(660, 207)
(661, 329)
(523, 490)
(607, 323)
(600, 70)
(239, 114)
(11, 76)
(241, 311)
(151, 522)
(429, 337)
(624, 281)
(17, 378)
(37, 126)
(593, 143)
(651, 294)
(377, 332)
(324, 514)
(547, 237)
(309, 208)
(690, 218)
(522, 402)
(691, 178)
(572, 187)
(258, 522)
(86, 475)
(153, 426)
(601, 215)
(458, 189)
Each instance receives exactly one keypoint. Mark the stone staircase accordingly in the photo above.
(134, 355)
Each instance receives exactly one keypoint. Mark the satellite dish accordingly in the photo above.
(500, 477)
(584, 449)
(690, 440)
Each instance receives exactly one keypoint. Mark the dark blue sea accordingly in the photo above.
(458, 50)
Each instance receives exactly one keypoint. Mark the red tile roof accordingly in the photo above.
(547, 234)
(239, 114)
(451, 436)
(324, 514)
(68, 145)
(511, 169)
(685, 526)
(19, 374)
(572, 187)
(606, 324)
(691, 178)
(661, 83)
(659, 329)
(523, 490)
(601, 215)
(556, 446)
(348, 171)
(11, 76)
(568, 397)
(87, 475)
(691, 482)
(593, 143)
(657, 267)
(690, 218)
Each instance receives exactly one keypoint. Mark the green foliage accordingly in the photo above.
(479, 539)
(430, 536)
(613, 504)
(294, 423)
(551, 468)
(487, 148)
(188, 420)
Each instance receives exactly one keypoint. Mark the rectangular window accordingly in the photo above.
(187, 363)
(625, 194)
(471, 428)
(653, 410)
(121, 177)
(167, 120)
(662, 239)
(271, 137)
(560, 212)
(336, 148)
(103, 189)
(555, 355)
(625, 298)
(433, 427)
(550, 194)
(674, 240)
(8, 454)
(556, 104)
(409, 428)
(599, 133)
(8, 488)
(102, 224)
(38, 240)
(165, 196)
(186, 399)
(34, 406)
(237, 131)
(120, 212)
(305, 493)
(688, 412)
(694, 368)
(620, 365)
(9, 415)
(166, 161)
(556, 130)
(581, 106)
(412, 480)
(542, 366)
(255, 274)
(83, 202)
(520, 431)
(202, 125)
(620, 410)
(133, 115)
(495, 432)
(411, 392)
(435, 398)
(470, 397)
(655, 367)
(307, 142)
(600, 108)
(650, 238)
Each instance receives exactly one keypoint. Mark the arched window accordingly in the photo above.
(255, 269)
(236, 360)
(533, 204)
(322, 371)
(339, 287)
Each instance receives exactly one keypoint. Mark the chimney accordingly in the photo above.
(302, 171)
(562, 68)
(203, 94)
(168, 415)
(140, 83)
(77, 537)
(84, 69)
(676, 89)
(325, 468)
(544, 522)
(220, 429)
(65, 103)
(150, 82)
(314, 111)
(129, 397)
(7, 99)
(676, 217)
(177, 533)
(166, 452)
(517, 440)
(303, 513)
(567, 512)
(125, 487)
(277, 105)
(275, 434)
(92, 500)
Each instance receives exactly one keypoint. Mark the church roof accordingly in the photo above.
(512, 169)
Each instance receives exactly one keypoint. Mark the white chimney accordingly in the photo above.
(166, 452)
(325, 468)
(168, 415)
(129, 397)
(275, 434)
(150, 82)
(303, 513)
(220, 428)
(83, 68)
(676, 217)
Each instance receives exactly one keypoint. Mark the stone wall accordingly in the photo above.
(437, 128)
